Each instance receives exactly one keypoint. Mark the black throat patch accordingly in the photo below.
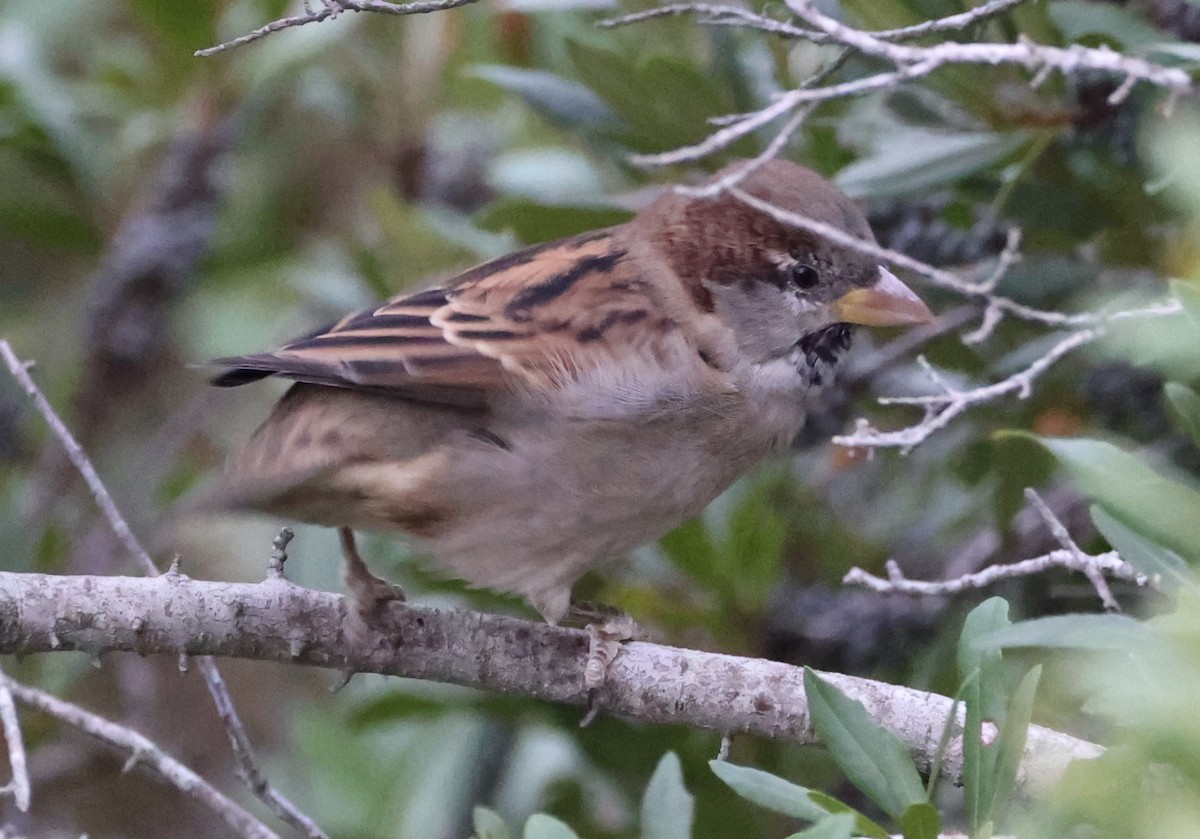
(821, 350)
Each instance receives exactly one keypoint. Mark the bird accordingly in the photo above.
(554, 409)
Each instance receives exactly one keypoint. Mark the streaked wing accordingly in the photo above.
(540, 314)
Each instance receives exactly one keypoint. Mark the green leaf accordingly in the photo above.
(677, 102)
(665, 100)
(188, 27)
(1188, 294)
(1147, 557)
(1073, 632)
(1011, 746)
(541, 826)
(862, 824)
(870, 755)
(610, 76)
(984, 620)
(1183, 404)
(387, 708)
(780, 796)
(1154, 505)
(533, 221)
(921, 821)
(757, 538)
(1116, 25)
(982, 670)
(840, 826)
(1188, 53)
(667, 807)
(549, 175)
(691, 547)
(561, 100)
(489, 825)
(918, 159)
(769, 791)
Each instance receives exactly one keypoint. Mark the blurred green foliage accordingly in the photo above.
(368, 154)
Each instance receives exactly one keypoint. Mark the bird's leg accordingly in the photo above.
(368, 596)
(607, 629)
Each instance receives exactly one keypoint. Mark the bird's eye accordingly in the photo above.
(804, 277)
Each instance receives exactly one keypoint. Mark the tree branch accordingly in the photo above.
(19, 786)
(238, 739)
(331, 9)
(144, 751)
(278, 621)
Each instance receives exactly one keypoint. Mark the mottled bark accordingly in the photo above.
(278, 621)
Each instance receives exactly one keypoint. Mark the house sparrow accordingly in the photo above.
(562, 405)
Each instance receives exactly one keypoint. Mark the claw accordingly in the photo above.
(607, 630)
(364, 626)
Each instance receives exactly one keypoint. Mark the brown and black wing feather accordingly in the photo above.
(539, 313)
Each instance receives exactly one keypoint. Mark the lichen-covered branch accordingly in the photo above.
(278, 621)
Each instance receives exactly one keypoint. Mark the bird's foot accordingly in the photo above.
(365, 627)
(607, 628)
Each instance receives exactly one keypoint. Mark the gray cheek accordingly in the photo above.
(764, 318)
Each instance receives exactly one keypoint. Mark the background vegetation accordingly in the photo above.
(158, 209)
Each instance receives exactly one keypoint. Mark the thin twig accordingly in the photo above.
(1096, 567)
(909, 62)
(718, 15)
(725, 136)
(747, 168)
(715, 14)
(144, 751)
(78, 459)
(945, 279)
(1008, 257)
(19, 785)
(896, 583)
(941, 408)
(950, 23)
(330, 9)
(240, 742)
(921, 60)
(1086, 563)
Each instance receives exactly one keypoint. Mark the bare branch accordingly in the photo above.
(1096, 567)
(715, 14)
(1008, 257)
(908, 62)
(942, 408)
(950, 23)
(331, 9)
(79, 460)
(143, 751)
(746, 169)
(946, 279)
(243, 752)
(920, 61)
(239, 740)
(725, 136)
(1082, 561)
(896, 583)
(19, 785)
(278, 621)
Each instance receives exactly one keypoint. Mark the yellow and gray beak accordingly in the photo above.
(888, 302)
